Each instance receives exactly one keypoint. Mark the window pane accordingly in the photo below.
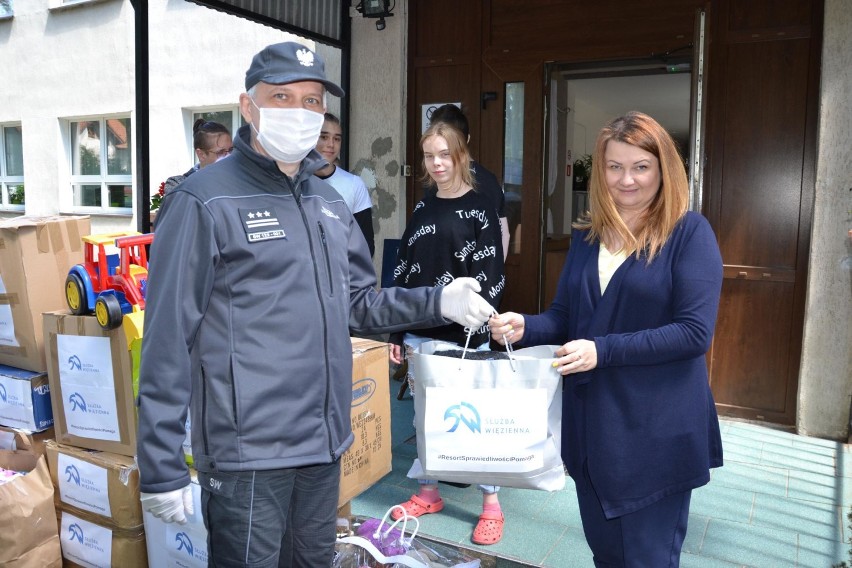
(14, 151)
(16, 194)
(6, 8)
(223, 117)
(87, 195)
(513, 160)
(118, 146)
(86, 148)
(120, 196)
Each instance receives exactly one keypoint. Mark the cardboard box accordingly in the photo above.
(369, 457)
(90, 383)
(85, 542)
(35, 256)
(171, 545)
(20, 439)
(98, 483)
(24, 399)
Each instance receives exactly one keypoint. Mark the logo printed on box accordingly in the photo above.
(10, 399)
(23, 402)
(77, 402)
(184, 543)
(73, 474)
(187, 547)
(84, 486)
(75, 532)
(362, 391)
(84, 542)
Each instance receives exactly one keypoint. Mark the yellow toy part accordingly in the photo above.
(133, 326)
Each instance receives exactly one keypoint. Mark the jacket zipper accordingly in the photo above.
(327, 257)
(203, 424)
(324, 328)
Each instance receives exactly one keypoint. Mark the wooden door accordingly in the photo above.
(762, 113)
(444, 68)
(445, 43)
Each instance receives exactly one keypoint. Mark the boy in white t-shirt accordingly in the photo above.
(348, 185)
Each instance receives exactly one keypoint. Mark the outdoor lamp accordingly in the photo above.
(376, 9)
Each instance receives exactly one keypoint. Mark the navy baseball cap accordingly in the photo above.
(288, 62)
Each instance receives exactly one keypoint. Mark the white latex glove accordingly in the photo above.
(171, 506)
(461, 303)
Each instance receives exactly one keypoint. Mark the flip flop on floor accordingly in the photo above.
(416, 507)
(489, 529)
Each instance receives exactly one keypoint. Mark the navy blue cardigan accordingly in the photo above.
(643, 421)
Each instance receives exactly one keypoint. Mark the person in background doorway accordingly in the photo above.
(485, 181)
(258, 275)
(634, 316)
(212, 142)
(348, 185)
(453, 233)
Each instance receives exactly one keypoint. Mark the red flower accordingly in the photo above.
(157, 198)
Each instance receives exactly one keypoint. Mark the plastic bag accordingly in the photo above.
(389, 539)
(361, 552)
(436, 555)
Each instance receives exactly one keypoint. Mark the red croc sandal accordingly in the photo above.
(416, 507)
(489, 529)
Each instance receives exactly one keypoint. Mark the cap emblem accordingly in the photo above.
(306, 57)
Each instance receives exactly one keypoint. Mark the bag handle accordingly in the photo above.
(509, 349)
(405, 517)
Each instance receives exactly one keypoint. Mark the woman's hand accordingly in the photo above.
(508, 326)
(396, 354)
(576, 356)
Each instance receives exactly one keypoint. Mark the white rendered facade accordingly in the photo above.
(69, 64)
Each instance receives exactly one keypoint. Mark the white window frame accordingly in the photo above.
(6, 180)
(189, 116)
(104, 179)
(65, 4)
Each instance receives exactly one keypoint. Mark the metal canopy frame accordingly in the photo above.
(260, 11)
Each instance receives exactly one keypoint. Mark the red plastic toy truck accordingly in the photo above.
(111, 285)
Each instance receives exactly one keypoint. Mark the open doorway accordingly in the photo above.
(581, 99)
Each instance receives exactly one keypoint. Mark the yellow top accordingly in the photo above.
(608, 263)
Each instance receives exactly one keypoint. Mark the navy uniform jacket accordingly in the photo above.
(643, 421)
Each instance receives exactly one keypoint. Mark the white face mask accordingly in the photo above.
(288, 134)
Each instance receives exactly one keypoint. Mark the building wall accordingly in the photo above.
(80, 63)
(377, 125)
(825, 379)
(202, 67)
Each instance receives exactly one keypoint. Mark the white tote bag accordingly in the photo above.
(493, 422)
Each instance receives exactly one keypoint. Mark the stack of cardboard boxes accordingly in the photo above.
(35, 255)
(91, 461)
(67, 415)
